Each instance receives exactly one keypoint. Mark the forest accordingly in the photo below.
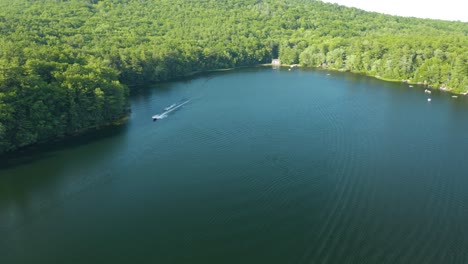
(70, 65)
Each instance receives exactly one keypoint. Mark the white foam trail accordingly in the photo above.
(175, 107)
(170, 107)
(164, 114)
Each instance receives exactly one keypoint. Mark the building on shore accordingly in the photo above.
(275, 63)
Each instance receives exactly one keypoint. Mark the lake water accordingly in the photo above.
(261, 166)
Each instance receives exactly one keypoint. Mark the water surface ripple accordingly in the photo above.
(261, 166)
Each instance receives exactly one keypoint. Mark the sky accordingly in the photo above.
(436, 9)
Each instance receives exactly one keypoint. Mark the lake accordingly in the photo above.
(260, 166)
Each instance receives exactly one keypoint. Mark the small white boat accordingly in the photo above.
(411, 86)
(454, 96)
(429, 99)
(427, 91)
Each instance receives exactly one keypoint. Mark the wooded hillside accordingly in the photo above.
(66, 66)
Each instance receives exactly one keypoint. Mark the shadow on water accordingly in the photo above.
(44, 150)
(166, 86)
(41, 177)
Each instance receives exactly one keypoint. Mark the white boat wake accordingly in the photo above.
(168, 110)
(170, 107)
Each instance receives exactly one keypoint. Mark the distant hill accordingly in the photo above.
(65, 66)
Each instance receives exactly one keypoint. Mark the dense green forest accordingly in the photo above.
(66, 66)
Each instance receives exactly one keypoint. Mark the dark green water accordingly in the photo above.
(261, 166)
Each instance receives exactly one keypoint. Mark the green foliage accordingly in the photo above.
(65, 65)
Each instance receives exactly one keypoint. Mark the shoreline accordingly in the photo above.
(427, 86)
(122, 120)
(63, 138)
